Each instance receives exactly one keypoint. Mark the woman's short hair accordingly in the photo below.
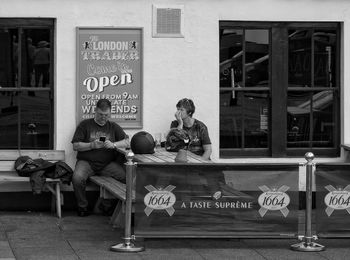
(187, 104)
(104, 104)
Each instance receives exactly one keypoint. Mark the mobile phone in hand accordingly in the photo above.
(102, 138)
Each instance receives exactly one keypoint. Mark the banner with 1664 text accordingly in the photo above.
(213, 200)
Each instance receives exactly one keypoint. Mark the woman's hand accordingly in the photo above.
(178, 116)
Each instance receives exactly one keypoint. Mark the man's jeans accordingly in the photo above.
(83, 171)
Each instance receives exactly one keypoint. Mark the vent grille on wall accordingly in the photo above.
(168, 21)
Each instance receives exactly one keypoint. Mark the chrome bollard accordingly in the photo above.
(308, 244)
(128, 246)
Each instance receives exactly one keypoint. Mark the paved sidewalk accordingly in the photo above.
(41, 236)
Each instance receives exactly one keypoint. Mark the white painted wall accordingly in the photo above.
(173, 67)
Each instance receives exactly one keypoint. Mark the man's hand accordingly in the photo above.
(108, 144)
(97, 144)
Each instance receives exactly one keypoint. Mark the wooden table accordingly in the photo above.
(163, 156)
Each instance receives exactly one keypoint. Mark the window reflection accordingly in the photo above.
(323, 119)
(245, 124)
(33, 47)
(325, 49)
(305, 89)
(298, 108)
(231, 125)
(257, 58)
(244, 115)
(299, 58)
(302, 53)
(304, 108)
(35, 120)
(231, 53)
(25, 62)
(8, 120)
(310, 114)
(36, 58)
(256, 119)
(8, 57)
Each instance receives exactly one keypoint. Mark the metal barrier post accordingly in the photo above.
(307, 244)
(128, 246)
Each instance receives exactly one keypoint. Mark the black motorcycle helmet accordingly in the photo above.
(142, 143)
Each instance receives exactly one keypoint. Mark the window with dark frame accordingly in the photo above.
(26, 83)
(279, 88)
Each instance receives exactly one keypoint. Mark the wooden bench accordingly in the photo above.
(8, 173)
(111, 188)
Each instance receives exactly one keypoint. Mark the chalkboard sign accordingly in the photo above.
(109, 65)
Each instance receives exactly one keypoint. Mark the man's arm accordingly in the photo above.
(82, 147)
(125, 143)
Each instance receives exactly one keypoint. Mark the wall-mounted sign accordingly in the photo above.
(109, 65)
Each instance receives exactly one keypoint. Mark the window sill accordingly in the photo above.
(345, 146)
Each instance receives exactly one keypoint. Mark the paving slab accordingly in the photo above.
(5, 250)
(94, 235)
(335, 248)
(3, 236)
(52, 252)
(336, 254)
(174, 257)
(229, 254)
(31, 238)
(105, 254)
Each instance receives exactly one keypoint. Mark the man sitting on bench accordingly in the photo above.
(96, 141)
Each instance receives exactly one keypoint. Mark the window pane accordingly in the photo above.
(35, 120)
(231, 58)
(8, 57)
(36, 58)
(257, 58)
(323, 119)
(231, 121)
(318, 105)
(299, 58)
(256, 119)
(8, 120)
(248, 117)
(298, 119)
(325, 50)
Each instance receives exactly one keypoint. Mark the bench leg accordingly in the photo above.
(96, 206)
(58, 200)
(118, 217)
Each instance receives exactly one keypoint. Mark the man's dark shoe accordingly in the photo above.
(83, 212)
